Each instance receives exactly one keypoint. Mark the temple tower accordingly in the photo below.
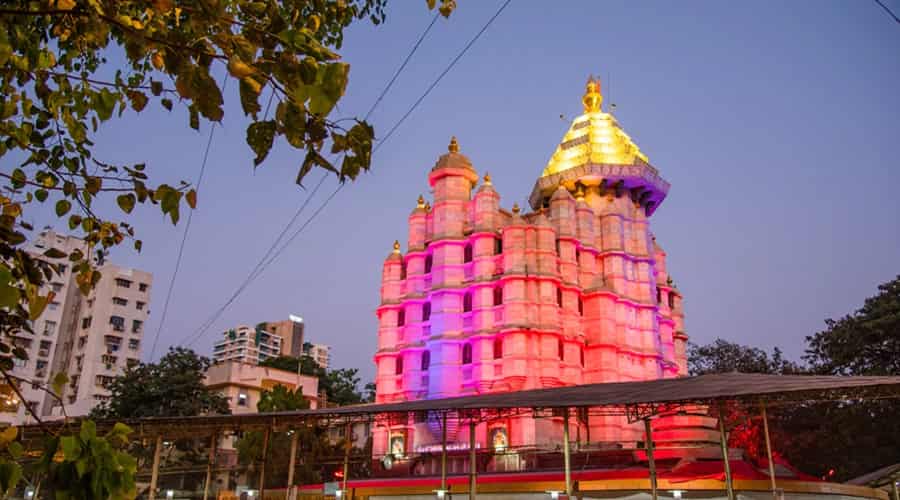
(575, 291)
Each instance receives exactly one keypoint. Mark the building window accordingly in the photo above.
(142, 287)
(133, 344)
(426, 311)
(426, 360)
(557, 249)
(467, 354)
(49, 328)
(498, 246)
(658, 296)
(242, 399)
(577, 256)
(559, 297)
(403, 270)
(123, 283)
(53, 306)
(581, 355)
(428, 263)
(82, 341)
(132, 362)
(580, 307)
(119, 301)
(401, 317)
(136, 326)
(467, 302)
(561, 350)
(139, 305)
(61, 268)
(498, 295)
(467, 253)
(398, 365)
(671, 300)
(498, 348)
(86, 322)
(56, 287)
(118, 323)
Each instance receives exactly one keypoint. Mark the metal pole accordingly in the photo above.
(652, 461)
(444, 451)
(723, 441)
(473, 465)
(295, 437)
(209, 465)
(348, 435)
(566, 459)
(262, 468)
(894, 487)
(765, 419)
(154, 474)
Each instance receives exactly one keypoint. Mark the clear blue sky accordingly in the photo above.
(777, 124)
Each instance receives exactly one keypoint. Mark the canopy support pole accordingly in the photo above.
(566, 458)
(154, 474)
(765, 419)
(209, 464)
(349, 438)
(648, 432)
(723, 441)
(292, 463)
(444, 451)
(894, 488)
(262, 468)
(473, 465)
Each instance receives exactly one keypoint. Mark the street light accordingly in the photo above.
(440, 493)
(554, 494)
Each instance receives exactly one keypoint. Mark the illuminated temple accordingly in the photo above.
(573, 291)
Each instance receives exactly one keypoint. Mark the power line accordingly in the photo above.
(888, 10)
(263, 263)
(187, 228)
(334, 193)
(443, 73)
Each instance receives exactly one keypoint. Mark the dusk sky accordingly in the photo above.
(777, 124)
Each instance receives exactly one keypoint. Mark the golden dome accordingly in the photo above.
(594, 138)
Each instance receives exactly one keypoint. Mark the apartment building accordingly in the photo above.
(91, 338)
(320, 353)
(247, 345)
(291, 333)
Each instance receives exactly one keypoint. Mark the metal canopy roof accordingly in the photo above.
(703, 389)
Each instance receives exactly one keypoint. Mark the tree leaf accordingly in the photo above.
(166, 103)
(71, 447)
(59, 381)
(126, 202)
(55, 253)
(260, 136)
(88, 430)
(191, 198)
(63, 207)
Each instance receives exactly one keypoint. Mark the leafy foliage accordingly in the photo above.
(722, 356)
(849, 437)
(173, 387)
(341, 386)
(92, 466)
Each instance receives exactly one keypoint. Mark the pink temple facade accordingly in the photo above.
(576, 291)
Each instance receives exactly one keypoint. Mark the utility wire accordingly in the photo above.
(443, 73)
(263, 262)
(888, 10)
(334, 193)
(184, 236)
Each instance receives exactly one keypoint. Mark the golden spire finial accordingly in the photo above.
(396, 246)
(592, 98)
(454, 146)
(420, 203)
(516, 208)
(579, 193)
(487, 179)
(427, 206)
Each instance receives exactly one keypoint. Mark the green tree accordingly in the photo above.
(723, 356)
(58, 88)
(342, 387)
(172, 387)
